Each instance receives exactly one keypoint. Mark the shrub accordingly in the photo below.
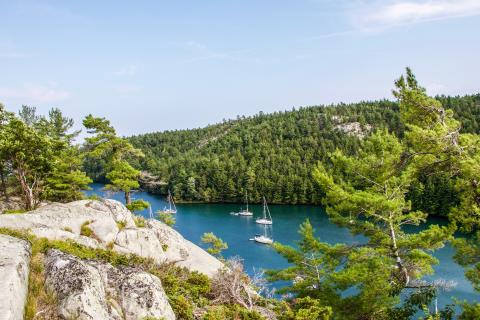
(121, 224)
(85, 229)
(15, 211)
(182, 307)
(166, 218)
(139, 221)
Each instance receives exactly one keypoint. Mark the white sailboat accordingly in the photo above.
(171, 205)
(245, 212)
(263, 238)
(267, 218)
(150, 212)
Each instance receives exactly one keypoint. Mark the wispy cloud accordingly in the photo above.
(34, 93)
(128, 70)
(376, 16)
(395, 13)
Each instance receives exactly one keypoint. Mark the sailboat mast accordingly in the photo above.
(246, 198)
(264, 208)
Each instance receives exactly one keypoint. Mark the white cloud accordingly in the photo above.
(34, 93)
(381, 14)
(129, 70)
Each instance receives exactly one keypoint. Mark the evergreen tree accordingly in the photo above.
(114, 151)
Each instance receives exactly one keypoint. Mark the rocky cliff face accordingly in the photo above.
(112, 224)
(14, 268)
(90, 289)
(96, 290)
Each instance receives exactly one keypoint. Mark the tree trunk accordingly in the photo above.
(128, 200)
(27, 190)
(398, 259)
(4, 184)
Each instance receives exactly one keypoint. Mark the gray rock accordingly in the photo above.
(96, 290)
(156, 240)
(14, 268)
(78, 286)
(183, 252)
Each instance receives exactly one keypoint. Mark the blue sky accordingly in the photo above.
(161, 65)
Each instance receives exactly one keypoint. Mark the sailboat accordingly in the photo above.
(171, 205)
(245, 212)
(265, 220)
(263, 238)
(150, 212)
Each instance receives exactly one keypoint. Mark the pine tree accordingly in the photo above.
(115, 151)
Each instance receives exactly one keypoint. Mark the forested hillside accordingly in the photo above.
(273, 154)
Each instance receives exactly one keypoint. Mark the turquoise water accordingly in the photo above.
(192, 220)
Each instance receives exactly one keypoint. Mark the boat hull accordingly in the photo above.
(264, 221)
(245, 213)
(263, 240)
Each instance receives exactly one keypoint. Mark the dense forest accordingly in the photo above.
(272, 154)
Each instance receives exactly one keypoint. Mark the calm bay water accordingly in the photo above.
(192, 220)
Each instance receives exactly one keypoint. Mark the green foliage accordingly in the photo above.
(234, 312)
(138, 205)
(272, 154)
(470, 311)
(85, 230)
(39, 153)
(15, 211)
(367, 193)
(94, 196)
(309, 309)
(166, 218)
(437, 145)
(66, 182)
(420, 300)
(29, 153)
(216, 245)
(122, 177)
(182, 307)
(121, 225)
(311, 266)
(105, 147)
(468, 255)
(139, 221)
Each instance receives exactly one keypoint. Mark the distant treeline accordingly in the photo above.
(273, 154)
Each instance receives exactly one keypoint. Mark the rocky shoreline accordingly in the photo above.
(88, 288)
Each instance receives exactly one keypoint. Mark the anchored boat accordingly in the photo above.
(267, 218)
(263, 238)
(171, 205)
(245, 212)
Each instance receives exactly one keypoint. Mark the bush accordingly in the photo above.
(85, 229)
(166, 218)
(139, 221)
(182, 308)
